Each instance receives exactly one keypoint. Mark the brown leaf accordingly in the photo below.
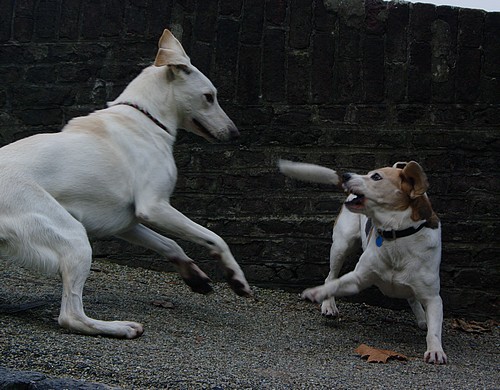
(474, 326)
(163, 303)
(376, 355)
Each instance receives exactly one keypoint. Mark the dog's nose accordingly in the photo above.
(233, 132)
(346, 177)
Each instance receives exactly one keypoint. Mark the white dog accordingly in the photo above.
(111, 173)
(389, 212)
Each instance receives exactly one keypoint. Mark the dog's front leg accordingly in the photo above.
(345, 236)
(166, 218)
(189, 271)
(434, 314)
(348, 284)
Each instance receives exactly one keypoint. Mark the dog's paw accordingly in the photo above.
(435, 357)
(194, 277)
(132, 330)
(314, 295)
(329, 308)
(238, 283)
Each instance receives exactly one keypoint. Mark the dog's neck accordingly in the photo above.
(394, 220)
(142, 93)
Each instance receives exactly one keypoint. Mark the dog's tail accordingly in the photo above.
(308, 172)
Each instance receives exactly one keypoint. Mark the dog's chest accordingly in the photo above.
(396, 274)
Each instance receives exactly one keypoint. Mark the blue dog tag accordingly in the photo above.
(379, 241)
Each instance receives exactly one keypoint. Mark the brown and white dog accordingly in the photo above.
(389, 212)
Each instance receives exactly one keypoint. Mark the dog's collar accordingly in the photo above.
(145, 112)
(393, 234)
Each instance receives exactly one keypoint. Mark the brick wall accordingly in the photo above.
(349, 84)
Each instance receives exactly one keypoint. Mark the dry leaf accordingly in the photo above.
(163, 303)
(473, 326)
(375, 355)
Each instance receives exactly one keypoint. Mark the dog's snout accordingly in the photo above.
(233, 132)
(346, 177)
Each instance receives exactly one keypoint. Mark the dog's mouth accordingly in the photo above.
(203, 131)
(356, 201)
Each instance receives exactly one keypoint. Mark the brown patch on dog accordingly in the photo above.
(414, 183)
(414, 180)
(91, 124)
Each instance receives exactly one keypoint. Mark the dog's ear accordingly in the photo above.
(171, 52)
(414, 180)
(400, 164)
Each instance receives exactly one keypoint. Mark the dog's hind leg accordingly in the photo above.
(194, 277)
(345, 236)
(39, 233)
(166, 218)
(75, 257)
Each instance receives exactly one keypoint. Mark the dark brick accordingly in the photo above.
(323, 20)
(470, 27)
(348, 43)
(41, 74)
(273, 65)
(205, 21)
(202, 57)
(41, 117)
(443, 63)
(226, 57)
(249, 68)
(396, 32)
(115, 15)
(300, 24)
(421, 18)
(346, 85)
(159, 16)
(230, 7)
(419, 73)
(47, 18)
(92, 15)
(373, 68)
(10, 74)
(395, 82)
(23, 28)
(70, 19)
(298, 78)
(7, 7)
(322, 68)
(410, 114)
(376, 15)
(276, 11)
(135, 20)
(333, 113)
(491, 44)
(252, 22)
(468, 75)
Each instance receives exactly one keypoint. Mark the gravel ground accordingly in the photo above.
(221, 341)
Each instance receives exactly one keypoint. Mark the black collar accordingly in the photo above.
(153, 119)
(393, 234)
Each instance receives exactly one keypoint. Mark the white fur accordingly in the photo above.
(112, 173)
(407, 267)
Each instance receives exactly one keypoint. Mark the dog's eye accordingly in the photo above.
(209, 97)
(376, 177)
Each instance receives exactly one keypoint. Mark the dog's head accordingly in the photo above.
(395, 188)
(195, 95)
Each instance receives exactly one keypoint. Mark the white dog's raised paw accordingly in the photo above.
(195, 278)
(313, 295)
(238, 283)
(435, 357)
